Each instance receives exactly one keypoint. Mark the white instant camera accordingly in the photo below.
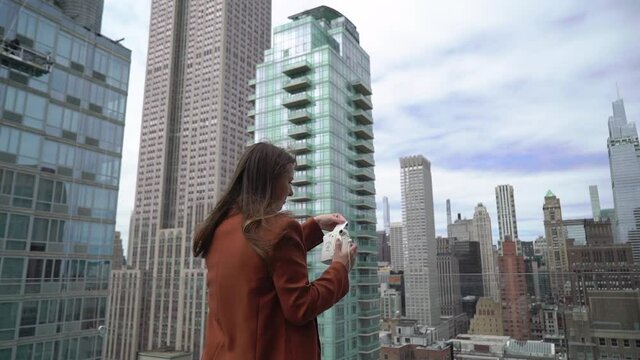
(329, 242)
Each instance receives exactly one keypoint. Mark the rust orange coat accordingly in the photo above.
(259, 314)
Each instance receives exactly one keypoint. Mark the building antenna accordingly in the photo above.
(618, 90)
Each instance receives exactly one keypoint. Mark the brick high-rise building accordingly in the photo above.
(601, 265)
(515, 301)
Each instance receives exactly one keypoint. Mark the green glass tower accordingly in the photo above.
(312, 96)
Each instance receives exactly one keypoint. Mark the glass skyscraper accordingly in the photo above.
(624, 162)
(312, 97)
(61, 130)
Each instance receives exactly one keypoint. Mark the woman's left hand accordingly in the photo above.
(328, 221)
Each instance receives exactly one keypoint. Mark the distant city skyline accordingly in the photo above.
(493, 94)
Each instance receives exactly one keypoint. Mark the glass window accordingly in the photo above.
(46, 35)
(30, 144)
(12, 268)
(3, 224)
(50, 152)
(35, 107)
(27, 23)
(24, 352)
(34, 270)
(89, 308)
(24, 185)
(58, 80)
(40, 229)
(18, 227)
(85, 350)
(9, 139)
(29, 313)
(45, 190)
(100, 61)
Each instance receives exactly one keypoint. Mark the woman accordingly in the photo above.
(261, 303)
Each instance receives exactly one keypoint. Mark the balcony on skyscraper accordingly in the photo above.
(303, 162)
(364, 160)
(361, 102)
(365, 218)
(363, 146)
(297, 84)
(364, 174)
(362, 117)
(299, 116)
(296, 100)
(296, 68)
(364, 203)
(300, 147)
(364, 188)
(363, 132)
(302, 179)
(301, 196)
(361, 88)
(299, 132)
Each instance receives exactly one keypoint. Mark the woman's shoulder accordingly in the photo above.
(282, 222)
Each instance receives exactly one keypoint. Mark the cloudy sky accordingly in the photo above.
(491, 92)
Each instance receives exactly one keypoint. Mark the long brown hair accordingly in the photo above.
(251, 193)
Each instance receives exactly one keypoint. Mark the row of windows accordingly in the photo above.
(32, 149)
(25, 319)
(21, 232)
(110, 103)
(616, 342)
(57, 120)
(20, 189)
(86, 347)
(53, 270)
(48, 38)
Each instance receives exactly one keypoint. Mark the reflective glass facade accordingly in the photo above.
(313, 97)
(624, 163)
(60, 151)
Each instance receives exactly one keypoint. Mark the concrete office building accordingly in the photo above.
(461, 230)
(201, 56)
(595, 202)
(556, 250)
(607, 328)
(601, 266)
(488, 318)
(397, 243)
(469, 268)
(448, 268)
(420, 268)
(63, 92)
(483, 235)
(506, 207)
(312, 96)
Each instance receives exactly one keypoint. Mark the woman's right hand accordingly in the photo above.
(347, 258)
